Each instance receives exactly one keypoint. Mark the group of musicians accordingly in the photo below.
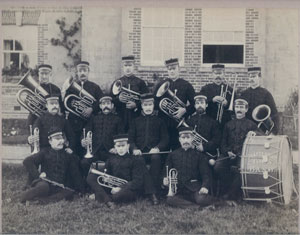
(131, 142)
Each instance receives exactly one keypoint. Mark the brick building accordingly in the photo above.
(237, 37)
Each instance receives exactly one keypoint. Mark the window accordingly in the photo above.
(223, 36)
(19, 54)
(162, 35)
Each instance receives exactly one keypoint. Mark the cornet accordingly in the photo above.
(167, 105)
(89, 150)
(107, 180)
(36, 144)
(125, 94)
(172, 178)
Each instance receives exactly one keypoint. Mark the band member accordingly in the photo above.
(129, 109)
(204, 125)
(184, 91)
(50, 119)
(45, 75)
(256, 95)
(103, 126)
(218, 95)
(56, 164)
(190, 165)
(95, 91)
(234, 135)
(124, 166)
(148, 134)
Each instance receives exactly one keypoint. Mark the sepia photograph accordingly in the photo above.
(149, 118)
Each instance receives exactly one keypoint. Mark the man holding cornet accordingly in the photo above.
(127, 101)
(103, 126)
(218, 95)
(193, 181)
(87, 102)
(56, 165)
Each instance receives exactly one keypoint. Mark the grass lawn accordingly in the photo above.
(85, 216)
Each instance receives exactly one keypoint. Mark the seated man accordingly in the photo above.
(227, 166)
(190, 165)
(56, 165)
(124, 166)
(148, 134)
(104, 125)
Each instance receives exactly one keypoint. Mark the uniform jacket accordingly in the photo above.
(104, 127)
(234, 135)
(257, 97)
(94, 90)
(193, 170)
(46, 122)
(51, 89)
(210, 91)
(136, 84)
(127, 167)
(207, 128)
(148, 131)
(56, 164)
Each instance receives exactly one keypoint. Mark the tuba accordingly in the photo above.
(76, 104)
(125, 94)
(169, 106)
(261, 114)
(36, 144)
(89, 145)
(107, 180)
(32, 97)
(172, 178)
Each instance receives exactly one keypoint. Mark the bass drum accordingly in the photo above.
(267, 169)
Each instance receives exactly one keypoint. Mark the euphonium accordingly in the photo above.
(76, 104)
(167, 105)
(261, 114)
(89, 150)
(125, 94)
(107, 180)
(32, 97)
(172, 178)
(36, 144)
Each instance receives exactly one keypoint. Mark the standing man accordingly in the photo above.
(45, 75)
(94, 90)
(129, 109)
(185, 92)
(215, 99)
(257, 95)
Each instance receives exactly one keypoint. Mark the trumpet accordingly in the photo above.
(169, 106)
(89, 150)
(125, 94)
(107, 180)
(32, 97)
(77, 104)
(261, 114)
(36, 144)
(172, 179)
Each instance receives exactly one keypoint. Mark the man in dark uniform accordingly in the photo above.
(52, 119)
(124, 166)
(148, 134)
(45, 74)
(234, 135)
(256, 95)
(129, 109)
(193, 181)
(184, 91)
(56, 165)
(94, 90)
(104, 126)
(204, 125)
(213, 93)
